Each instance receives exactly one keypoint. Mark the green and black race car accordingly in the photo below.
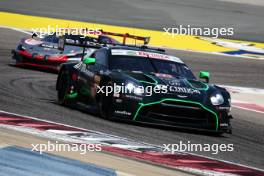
(142, 84)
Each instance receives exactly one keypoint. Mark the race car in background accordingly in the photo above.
(45, 54)
(131, 72)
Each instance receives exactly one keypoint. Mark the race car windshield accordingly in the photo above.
(149, 65)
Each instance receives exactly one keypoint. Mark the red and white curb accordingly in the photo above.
(124, 147)
(249, 90)
(248, 106)
(249, 103)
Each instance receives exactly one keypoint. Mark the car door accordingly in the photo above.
(90, 75)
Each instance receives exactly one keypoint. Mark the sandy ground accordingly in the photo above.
(124, 167)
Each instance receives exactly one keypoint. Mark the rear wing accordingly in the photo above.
(85, 42)
(102, 40)
(96, 43)
(126, 36)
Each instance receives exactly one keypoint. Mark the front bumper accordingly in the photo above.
(24, 58)
(178, 113)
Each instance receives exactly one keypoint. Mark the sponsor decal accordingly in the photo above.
(182, 96)
(183, 90)
(146, 54)
(224, 108)
(223, 124)
(174, 82)
(123, 112)
(49, 46)
(163, 75)
(133, 97)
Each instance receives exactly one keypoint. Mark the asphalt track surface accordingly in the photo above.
(32, 93)
(247, 20)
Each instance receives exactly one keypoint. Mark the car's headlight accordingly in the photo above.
(133, 88)
(217, 99)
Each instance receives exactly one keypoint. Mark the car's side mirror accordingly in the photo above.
(204, 75)
(89, 60)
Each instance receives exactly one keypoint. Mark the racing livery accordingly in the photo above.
(45, 53)
(146, 85)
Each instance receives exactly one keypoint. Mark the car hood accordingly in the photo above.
(177, 87)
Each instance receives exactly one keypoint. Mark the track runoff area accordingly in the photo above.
(194, 163)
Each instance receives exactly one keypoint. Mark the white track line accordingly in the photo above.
(16, 29)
